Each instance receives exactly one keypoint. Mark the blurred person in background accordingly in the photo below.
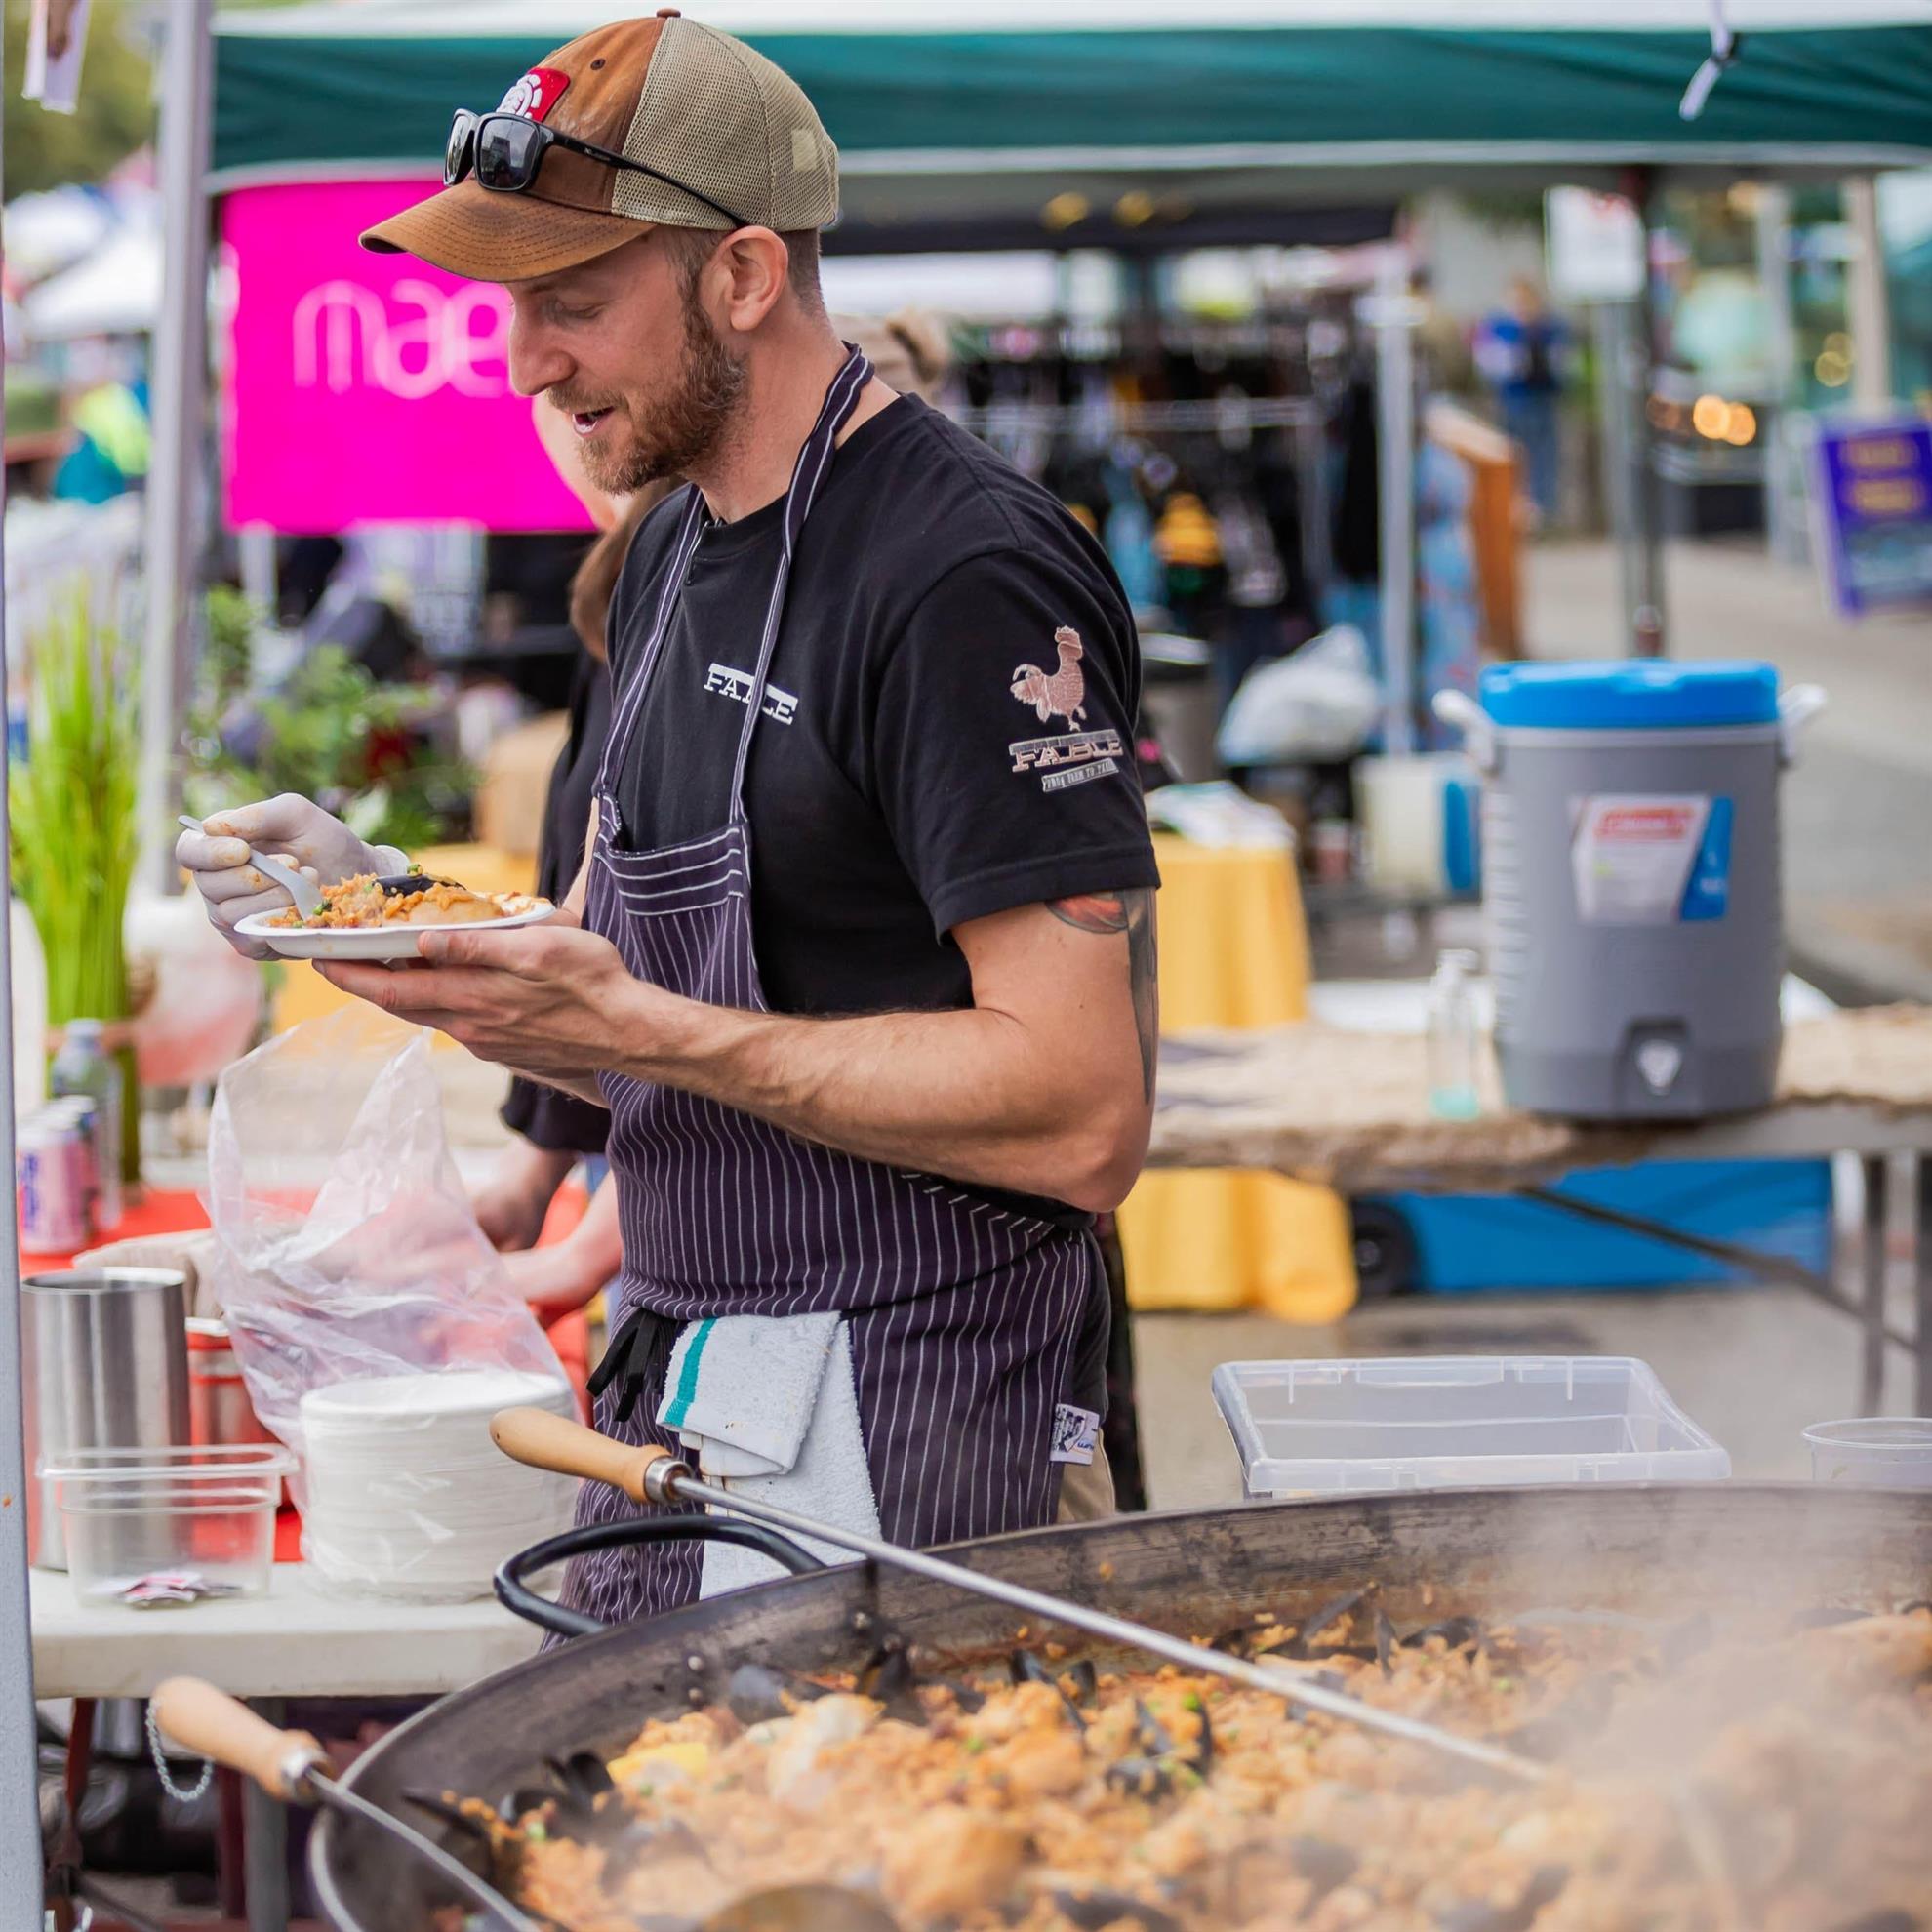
(1522, 353)
(111, 445)
(1442, 344)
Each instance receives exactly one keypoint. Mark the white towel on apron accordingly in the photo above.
(768, 1405)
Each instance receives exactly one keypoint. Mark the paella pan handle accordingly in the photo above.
(514, 1595)
(554, 1442)
(292, 1766)
(213, 1724)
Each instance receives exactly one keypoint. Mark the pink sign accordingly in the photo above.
(369, 388)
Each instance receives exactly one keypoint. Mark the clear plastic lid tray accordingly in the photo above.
(1457, 1421)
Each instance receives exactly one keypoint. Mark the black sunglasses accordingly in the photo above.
(505, 151)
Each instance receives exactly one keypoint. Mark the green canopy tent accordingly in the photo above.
(946, 108)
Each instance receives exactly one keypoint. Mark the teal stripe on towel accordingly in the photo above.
(687, 1381)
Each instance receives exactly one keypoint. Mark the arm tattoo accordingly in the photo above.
(1131, 913)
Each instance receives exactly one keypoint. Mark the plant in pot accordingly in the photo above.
(71, 798)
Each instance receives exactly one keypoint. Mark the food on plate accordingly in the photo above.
(362, 903)
(1770, 1774)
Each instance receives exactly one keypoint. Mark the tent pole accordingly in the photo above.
(20, 1887)
(1612, 328)
(1867, 306)
(1395, 478)
(1783, 504)
(1646, 639)
(255, 552)
(179, 388)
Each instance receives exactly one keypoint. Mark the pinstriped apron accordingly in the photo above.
(962, 1315)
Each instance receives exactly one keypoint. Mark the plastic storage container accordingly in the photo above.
(1879, 1452)
(1457, 1421)
(170, 1525)
(1630, 879)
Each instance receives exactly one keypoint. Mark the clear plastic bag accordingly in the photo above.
(346, 1253)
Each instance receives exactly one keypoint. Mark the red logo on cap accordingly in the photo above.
(536, 93)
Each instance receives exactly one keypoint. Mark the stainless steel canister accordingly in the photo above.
(219, 1412)
(105, 1366)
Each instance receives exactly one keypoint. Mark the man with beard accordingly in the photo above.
(861, 956)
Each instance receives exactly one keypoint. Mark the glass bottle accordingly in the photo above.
(1454, 1038)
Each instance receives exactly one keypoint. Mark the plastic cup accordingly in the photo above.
(1875, 1452)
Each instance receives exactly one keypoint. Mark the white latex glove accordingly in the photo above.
(192, 1255)
(290, 827)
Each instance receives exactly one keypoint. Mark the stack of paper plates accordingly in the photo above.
(407, 1497)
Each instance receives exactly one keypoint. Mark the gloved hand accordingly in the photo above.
(190, 1255)
(290, 828)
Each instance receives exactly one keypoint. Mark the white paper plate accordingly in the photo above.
(407, 1496)
(370, 941)
(410, 1401)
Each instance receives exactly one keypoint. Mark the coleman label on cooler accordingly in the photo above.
(1644, 859)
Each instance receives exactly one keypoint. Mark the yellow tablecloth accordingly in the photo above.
(1234, 952)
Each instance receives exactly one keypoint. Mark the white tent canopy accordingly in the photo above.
(115, 292)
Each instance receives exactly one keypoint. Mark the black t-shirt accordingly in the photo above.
(948, 731)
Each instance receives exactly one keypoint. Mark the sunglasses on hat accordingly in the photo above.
(505, 151)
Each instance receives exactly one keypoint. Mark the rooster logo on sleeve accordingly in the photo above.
(1060, 693)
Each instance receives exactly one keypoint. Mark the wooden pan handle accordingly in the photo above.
(203, 1719)
(546, 1441)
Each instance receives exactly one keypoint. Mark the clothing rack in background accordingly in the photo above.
(1014, 426)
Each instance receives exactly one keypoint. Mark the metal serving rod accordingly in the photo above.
(655, 1475)
(292, 1766)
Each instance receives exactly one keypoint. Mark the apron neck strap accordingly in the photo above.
(631, 698)
(807, 473)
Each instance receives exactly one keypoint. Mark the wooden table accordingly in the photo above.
(1349, 1109)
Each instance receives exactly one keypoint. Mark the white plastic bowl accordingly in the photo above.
(1875, 1452)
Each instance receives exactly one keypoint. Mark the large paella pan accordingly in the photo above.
(1730, 1683)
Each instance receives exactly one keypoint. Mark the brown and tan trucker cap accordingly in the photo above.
(681, 97)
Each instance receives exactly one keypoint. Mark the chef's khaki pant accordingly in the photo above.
(1086, 1490)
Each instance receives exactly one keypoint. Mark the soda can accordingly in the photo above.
(104, 1157)
(80, 1117)
(51, 1185)
(83, 1113)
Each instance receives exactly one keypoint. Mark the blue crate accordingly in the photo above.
(1468, 1243)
